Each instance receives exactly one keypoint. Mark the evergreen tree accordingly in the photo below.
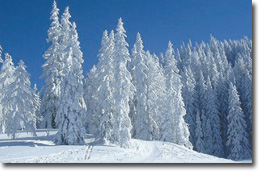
(174, 128)
(90, 97)
(237, 135)
(106, 103)
(6, 77)
(244, 88)
(72, 109)
(123, 87)
(51, 72)
(141, 118)
(19, 104)
(188, 94)
(212, 132)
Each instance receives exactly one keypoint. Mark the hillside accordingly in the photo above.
(41, 149)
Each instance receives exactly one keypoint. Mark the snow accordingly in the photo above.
(28, 149)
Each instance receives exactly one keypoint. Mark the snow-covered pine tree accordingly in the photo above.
(106, 103)
(244, 88)
(237, 138)
(188, 94)
(51, 72)
(157, 90)
(139, 72)
(90, 97)
(174, 128)
(6, 77)
(19, 104)
(72, 109)
(123, 87)
(212, 132)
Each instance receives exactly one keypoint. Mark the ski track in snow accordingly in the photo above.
(34, 150)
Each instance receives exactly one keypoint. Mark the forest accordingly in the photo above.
(198, 95)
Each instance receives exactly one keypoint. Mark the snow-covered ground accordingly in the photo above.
(41, 149)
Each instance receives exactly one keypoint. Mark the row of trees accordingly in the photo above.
(199, 96)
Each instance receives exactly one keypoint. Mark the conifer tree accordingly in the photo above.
(106, 102)
(174, 128)
(72, 109)
(237, 135)
(188, 94)
(212, 131)
(19, 104)
(6, 77)
(51, 72)
(90, 97)
(123, 87)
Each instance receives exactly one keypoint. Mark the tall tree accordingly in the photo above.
(106, 103)
(51, 72)
(237, 135)
(124, 89)
(174, 128)
(72, 109)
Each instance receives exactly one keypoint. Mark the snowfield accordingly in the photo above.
(28, 149)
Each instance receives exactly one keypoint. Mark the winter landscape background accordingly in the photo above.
(133, 105)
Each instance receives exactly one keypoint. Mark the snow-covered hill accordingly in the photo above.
(41, 149)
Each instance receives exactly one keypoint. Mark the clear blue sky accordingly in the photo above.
(24, 25)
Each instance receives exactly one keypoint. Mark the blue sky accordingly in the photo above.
(24, 25)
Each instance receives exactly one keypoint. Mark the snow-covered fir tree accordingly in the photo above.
(6, 77)
(174, 128)
(123, 87)
(244, 88)
(188, 94)
(144, 78)
(237, 138)
(213, 126)
(51, 72)
(18, 103)
(90, 97)
(106, 103)
(71, 112)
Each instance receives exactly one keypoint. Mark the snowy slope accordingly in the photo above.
(41, 149)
